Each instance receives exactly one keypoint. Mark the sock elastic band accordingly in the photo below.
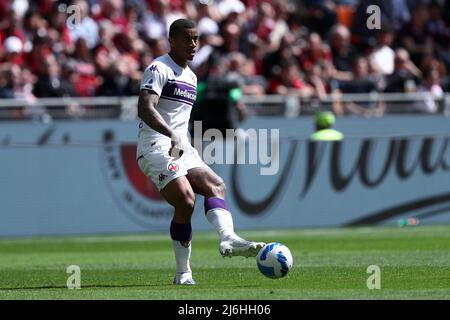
(213, 203)
(180, 232)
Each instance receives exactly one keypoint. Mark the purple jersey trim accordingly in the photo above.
(177, 100)
(179, 91)
(182, 82)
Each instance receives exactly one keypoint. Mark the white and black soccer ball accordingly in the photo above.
(274, 260)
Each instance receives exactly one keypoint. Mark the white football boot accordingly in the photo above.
(183, 278)
(236, 246)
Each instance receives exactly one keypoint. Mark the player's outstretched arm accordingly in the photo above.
(148, 100)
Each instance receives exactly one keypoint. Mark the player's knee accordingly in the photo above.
(219, 188)
(186, 202)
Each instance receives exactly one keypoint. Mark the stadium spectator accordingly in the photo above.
(273, 60)
(50, 82)
(61, 40)
(415, 37)
(113, 10)
(229, 7)
(316, 53)
(121, 78)
(34, 25)
(87, 28)
(316, 63)
(106, 53)
(6, 86)
(133, 14)
(207, 24)
(406, 76)
(431, 90)
(23, 82)
(262, 35)
(342, 51)
(263, 23)
(321, 16)
(436, 25)
(363, 82)
(289, 81)
(157, 22)
(12, 26)
(432, 63)
(242, 71)
(222, 47)
(382, 55)
(13, 51)
(280, 23)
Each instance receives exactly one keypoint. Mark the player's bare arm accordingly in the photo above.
(148, 100)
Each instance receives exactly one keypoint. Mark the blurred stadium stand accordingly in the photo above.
(321, 51)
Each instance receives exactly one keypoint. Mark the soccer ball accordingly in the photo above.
(274, 260)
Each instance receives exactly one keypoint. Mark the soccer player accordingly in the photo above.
(168, 91)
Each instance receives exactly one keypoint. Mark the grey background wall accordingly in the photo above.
(71, 178)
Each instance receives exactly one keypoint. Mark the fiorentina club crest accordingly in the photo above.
(134, 193)
(173, 167)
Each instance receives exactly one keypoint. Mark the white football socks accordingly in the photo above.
(222, 221)
(182, 256)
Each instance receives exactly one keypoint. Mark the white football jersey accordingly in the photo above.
(177, 90)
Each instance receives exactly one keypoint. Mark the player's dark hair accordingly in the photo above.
(178, 26)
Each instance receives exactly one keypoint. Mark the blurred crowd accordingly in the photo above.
(310, 47)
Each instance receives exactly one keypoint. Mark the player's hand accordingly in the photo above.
(178, 146)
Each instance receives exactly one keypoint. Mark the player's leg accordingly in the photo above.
(180, 195)
(206, 182)
(169, 176)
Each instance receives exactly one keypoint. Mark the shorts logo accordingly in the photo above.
(153, 68)
(172, 167)
(162, 177)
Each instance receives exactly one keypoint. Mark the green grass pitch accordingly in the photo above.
(328, 264)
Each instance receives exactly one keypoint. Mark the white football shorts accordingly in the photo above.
(156, 163)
